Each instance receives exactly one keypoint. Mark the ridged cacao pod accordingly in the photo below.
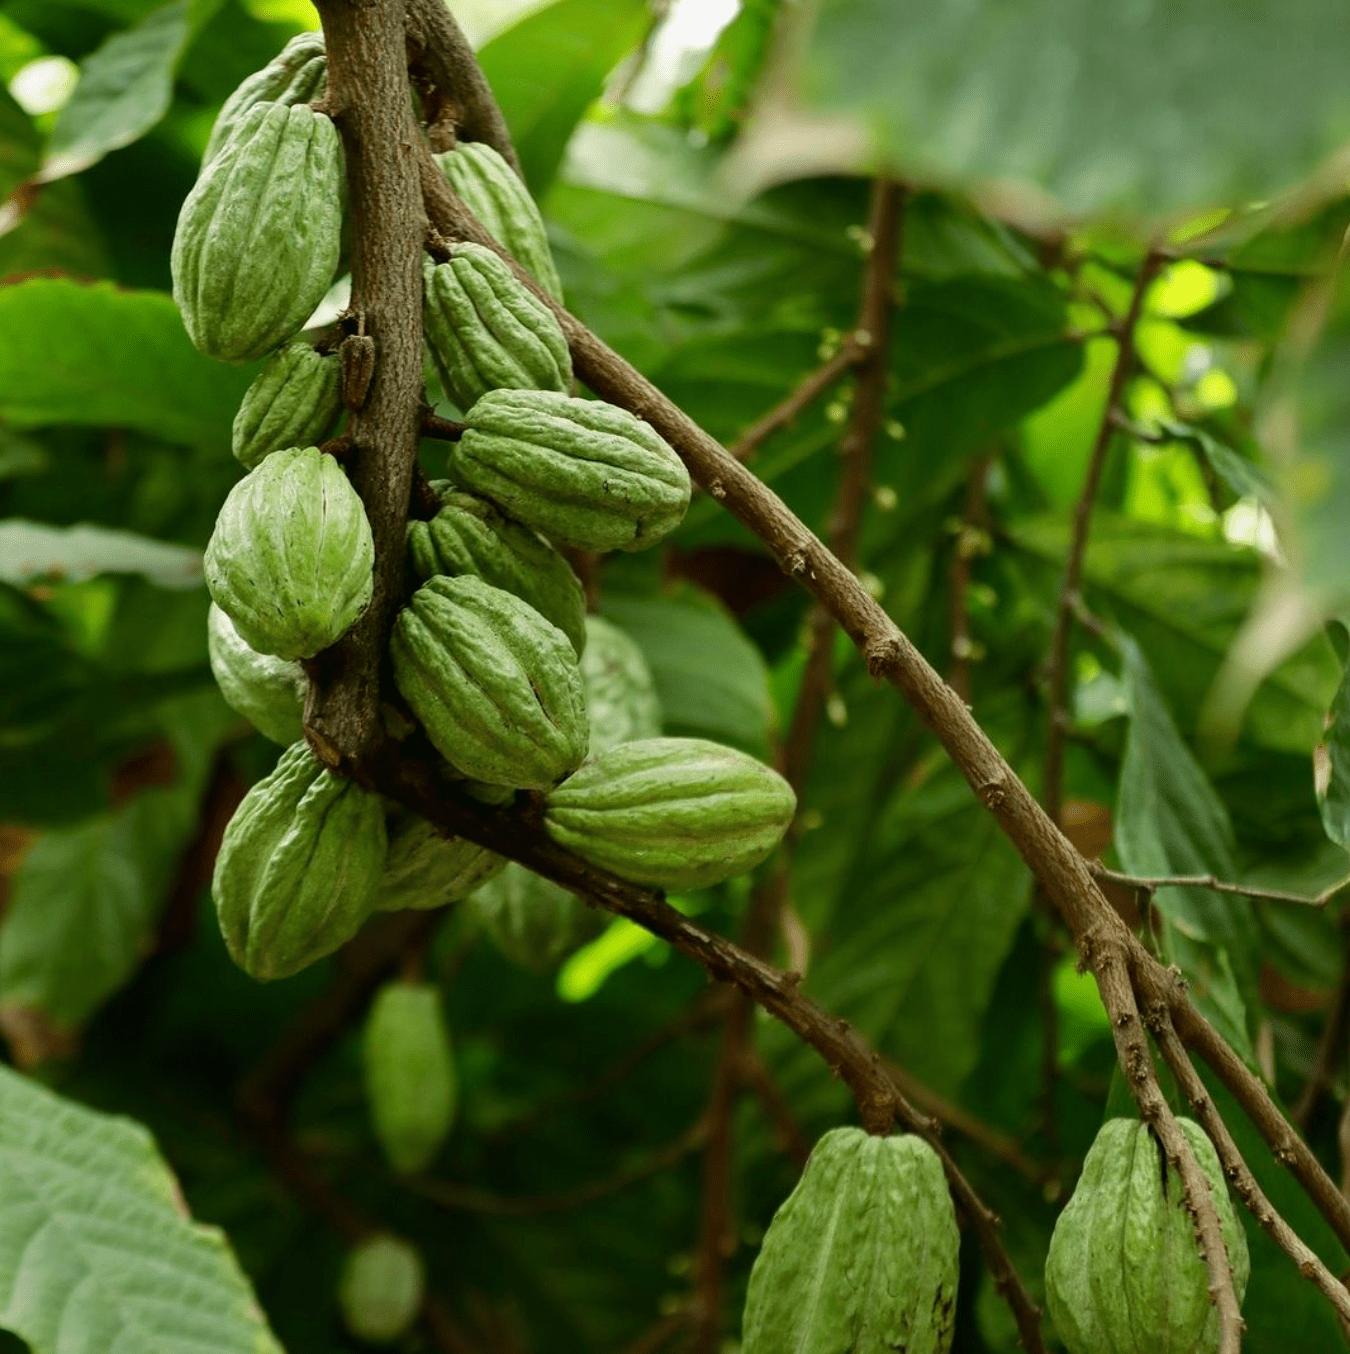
(292, 402)
(291, 559)
(298, 867)
(471, 537)
(425, 870)
(584, 473)
(257, 239)
(486, 331)
(497, 196)
(297, 74)
(495, 685)
(409, 1074)
(620, 694)
(1124, 1274)
(269, 692)
(675, 813)
(534, 922)
(862, 1257)
(381, 1289)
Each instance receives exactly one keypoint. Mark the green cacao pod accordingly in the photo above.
(269, 692)
(257, 239)
(674, 813)
(295, 75)
(486, 331)
(862, 1257)
(532, 921)
(497, 196)
(292, 402)
(381, 1288)
(291, 560)
(298, 867)
(471, 537)
(425, 870)
(409, 1074)
(584, 473)
(1124, 1274)
(495, 685)
(620, 694)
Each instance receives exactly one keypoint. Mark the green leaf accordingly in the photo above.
(31, 550)
(98, 355)
(96, 1252)
(1331, 762)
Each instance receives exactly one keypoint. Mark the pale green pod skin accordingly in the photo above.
(1124, 1274)
(674, 813)
(409, 1074)
(425, 870)
(486, 331)
(620, 694)
(495, 685)
(298, 867)
(381, 1289)
(258, 236)
(269, 692)
(862, 1256)
(469, 536)
(532, 921)
(292, 402)
(297, 74)
(584, 473)
(497, 196)
(291, 561)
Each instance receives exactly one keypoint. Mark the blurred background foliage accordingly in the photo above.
(703, 170)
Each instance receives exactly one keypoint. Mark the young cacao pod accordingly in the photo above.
(620, 694)
(497, 196)
(674, 813)
(495, 685)
(1124, 1274)
(409, 1074)
(269, 692)
(381, 1288)
(534, 922)
(470, 536)
(486, 331)
(298, 867)
(297, 74)
(862, 1256)
(291, 560)
(425, 870)
(257, 239)
(584, 473)
(292, 402)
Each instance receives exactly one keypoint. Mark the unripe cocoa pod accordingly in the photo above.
(584, 473)
(862, 1257)
(486, 331)
(409, 1073)
(381, 1289)
(291, 559)
(257, 239)
(620, 694)
(298, 867)
(469, 536)
(495, 685)
(1124, 1274)
(534, 922)
(425, 870)
(497, 196)
(297, 74)
(269, 692)
(674, 813)
(292, 402)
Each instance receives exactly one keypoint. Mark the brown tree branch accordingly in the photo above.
(812, 386)
(1151, 884)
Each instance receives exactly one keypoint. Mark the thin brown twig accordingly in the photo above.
(812, 386)
(656, 1336)
(1151, 884)
(791, 1140)
(970, 539)
(1329, 1047)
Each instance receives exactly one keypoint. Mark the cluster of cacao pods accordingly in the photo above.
(515, 687)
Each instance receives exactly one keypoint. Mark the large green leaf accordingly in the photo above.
(31, 550)
(96, 1252)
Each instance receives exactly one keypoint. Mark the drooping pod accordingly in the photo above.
(297, 74)
(292, 402)
(269, 692)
